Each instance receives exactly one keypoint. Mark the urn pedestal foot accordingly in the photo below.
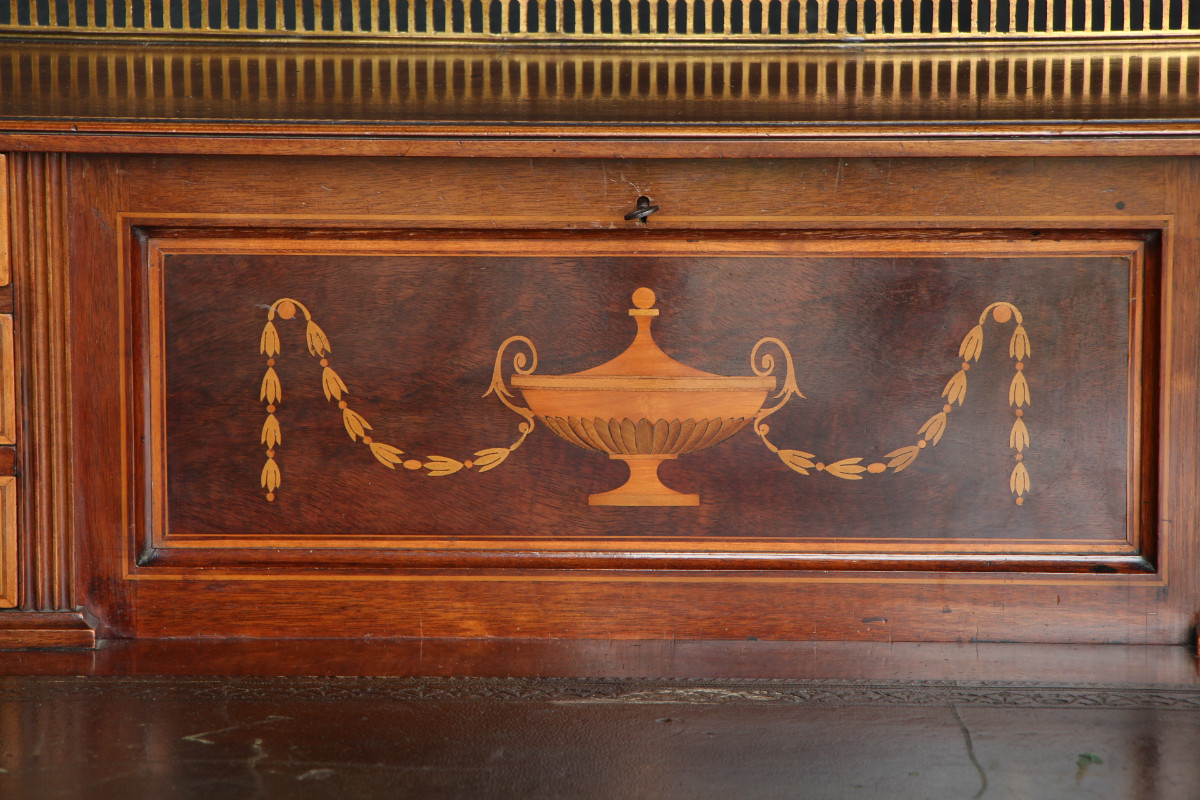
(644, 487)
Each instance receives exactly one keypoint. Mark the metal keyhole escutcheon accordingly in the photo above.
(643, 210)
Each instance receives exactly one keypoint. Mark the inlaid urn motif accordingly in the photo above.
(644, 407)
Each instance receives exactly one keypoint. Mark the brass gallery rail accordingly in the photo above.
(759, 21)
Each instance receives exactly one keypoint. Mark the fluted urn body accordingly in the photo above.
(644, 407)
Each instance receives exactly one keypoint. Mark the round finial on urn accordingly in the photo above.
(643, 298)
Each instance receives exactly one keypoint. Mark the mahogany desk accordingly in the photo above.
(861, 343)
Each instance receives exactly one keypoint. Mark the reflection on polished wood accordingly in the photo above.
(544, 718)
(1111, 721)
(546, 737)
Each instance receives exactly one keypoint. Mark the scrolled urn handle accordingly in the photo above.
(522, 365)
(763, 366)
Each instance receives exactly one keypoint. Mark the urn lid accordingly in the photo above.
(643, 366)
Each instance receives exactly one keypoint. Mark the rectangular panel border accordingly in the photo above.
(155, 547)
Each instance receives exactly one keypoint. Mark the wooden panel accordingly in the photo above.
(1179, 404)
(184, 258)
(8, 383)
(419, 366)
(8, 541)
(5, 265)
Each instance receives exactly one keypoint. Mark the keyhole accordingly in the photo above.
(642, 210)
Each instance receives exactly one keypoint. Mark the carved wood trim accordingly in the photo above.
(38, 206)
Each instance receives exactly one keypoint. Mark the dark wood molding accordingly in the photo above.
(37, 630)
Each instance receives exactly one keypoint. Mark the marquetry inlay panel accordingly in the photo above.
(504, 421)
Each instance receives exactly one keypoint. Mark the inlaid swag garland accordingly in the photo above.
(933, 429)
(930, 433)
(355, 424)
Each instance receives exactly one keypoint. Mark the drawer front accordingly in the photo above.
(833, 399)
